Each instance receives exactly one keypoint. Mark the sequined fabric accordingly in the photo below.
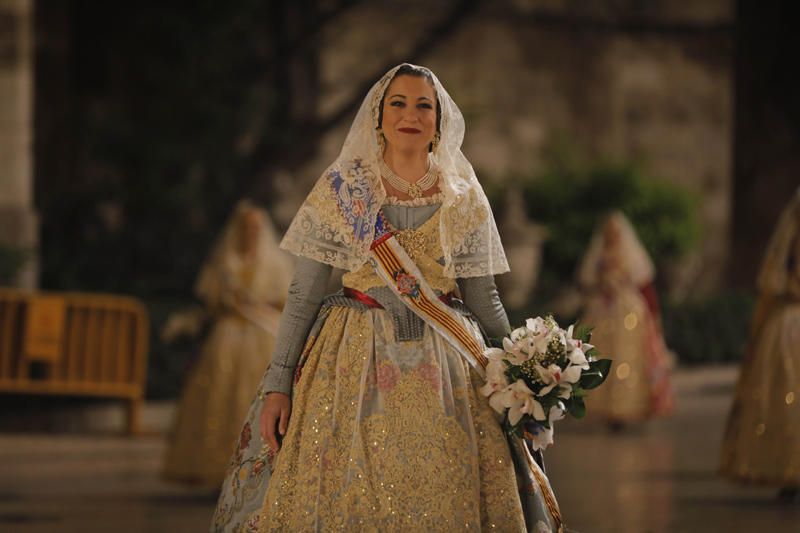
(625, 332)
(422, 244)
(384, 436)
(389, 436)
(762, 440)
(309, 284)
(424, 248)
(216, 398)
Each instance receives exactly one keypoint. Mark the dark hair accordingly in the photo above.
(417, 72)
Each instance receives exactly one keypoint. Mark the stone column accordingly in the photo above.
(18, 223)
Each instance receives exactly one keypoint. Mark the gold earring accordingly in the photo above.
(381, 141)
(435, 143)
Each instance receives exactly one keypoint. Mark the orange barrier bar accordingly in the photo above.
(74, 344)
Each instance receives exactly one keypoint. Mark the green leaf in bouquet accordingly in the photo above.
(578, 391)
(514, 372)
(531, 384)
(549, 400)
(512, 430)
(494, 342)
(582, 332)
(576, 407)
(596, 375)
(591, 352)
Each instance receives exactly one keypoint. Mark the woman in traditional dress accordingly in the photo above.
(616, 275)
(243, 284)
(369, 418)
(762, 440)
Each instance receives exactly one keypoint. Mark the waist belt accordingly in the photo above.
(369, 301)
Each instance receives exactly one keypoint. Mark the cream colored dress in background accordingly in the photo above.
(762, 440)
(244, 299)
(626, 328)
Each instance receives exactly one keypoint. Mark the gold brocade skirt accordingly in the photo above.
(625, 332)
(762, 440)
(389, 436)
(215, 401)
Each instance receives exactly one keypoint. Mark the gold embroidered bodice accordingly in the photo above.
(424, 247)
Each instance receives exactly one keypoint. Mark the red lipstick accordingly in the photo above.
(409, 130)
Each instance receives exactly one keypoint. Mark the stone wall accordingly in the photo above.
(767, 155)
(650, 83)
(17, 216)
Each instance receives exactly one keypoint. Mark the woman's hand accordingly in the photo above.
(275, 411)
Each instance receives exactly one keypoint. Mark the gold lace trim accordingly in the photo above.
(435, 198)
(424, 247)
(397, 407)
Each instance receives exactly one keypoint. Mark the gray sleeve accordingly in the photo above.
(302, 305)
(481, 297)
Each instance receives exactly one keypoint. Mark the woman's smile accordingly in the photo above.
(409, 116)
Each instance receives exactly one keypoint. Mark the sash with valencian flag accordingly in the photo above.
(403, 277)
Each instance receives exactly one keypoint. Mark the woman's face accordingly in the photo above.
(409, 114)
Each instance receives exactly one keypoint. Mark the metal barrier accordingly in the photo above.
(74, 344)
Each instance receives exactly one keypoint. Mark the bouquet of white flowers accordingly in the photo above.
(542, 373)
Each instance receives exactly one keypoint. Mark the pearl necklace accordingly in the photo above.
(414, 190)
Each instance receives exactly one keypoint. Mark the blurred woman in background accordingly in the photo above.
(616, 276)
(762, 440)
(243, 285)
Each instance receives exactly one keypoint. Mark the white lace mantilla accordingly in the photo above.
(335, 225)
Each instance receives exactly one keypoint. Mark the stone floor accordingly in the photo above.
(662, 477)
(659, 478)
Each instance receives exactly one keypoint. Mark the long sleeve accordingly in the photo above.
(302, 305)
(481, 297)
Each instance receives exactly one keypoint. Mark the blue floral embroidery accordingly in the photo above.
(355, 197)
(381, 226)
